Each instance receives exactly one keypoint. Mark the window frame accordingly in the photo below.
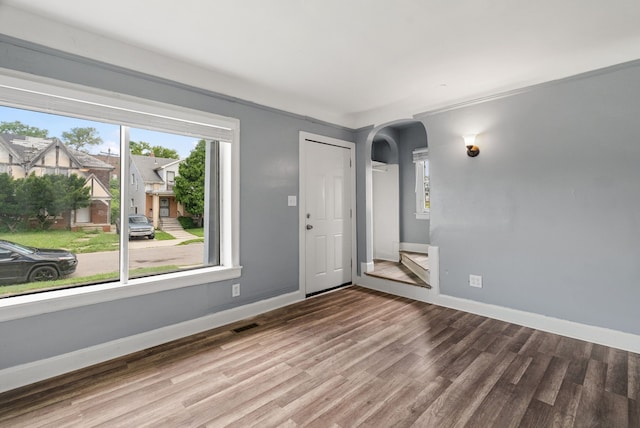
(20, 90)
(421, 159)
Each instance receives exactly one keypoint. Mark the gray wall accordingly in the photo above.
(549, 212)
(381, 151)
(268, 227)
(411, 230)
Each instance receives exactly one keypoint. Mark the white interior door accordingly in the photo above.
(327, 216)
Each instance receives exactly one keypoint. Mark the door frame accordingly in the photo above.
(307, 136)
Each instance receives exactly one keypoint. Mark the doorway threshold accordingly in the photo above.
(327, 290)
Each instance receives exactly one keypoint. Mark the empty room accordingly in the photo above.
(218, 213)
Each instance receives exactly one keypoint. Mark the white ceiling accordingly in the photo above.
(350, 62)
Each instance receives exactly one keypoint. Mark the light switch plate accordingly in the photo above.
(292, 201)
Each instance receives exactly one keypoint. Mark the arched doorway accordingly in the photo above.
(391, 149)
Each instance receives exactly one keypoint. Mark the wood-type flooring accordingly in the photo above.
(349, 358)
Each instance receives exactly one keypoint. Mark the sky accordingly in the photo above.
(109, 133)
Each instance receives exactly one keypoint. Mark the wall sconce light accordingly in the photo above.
(470, 144)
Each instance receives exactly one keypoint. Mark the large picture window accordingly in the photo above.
(69, 219)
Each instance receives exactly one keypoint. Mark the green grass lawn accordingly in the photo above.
(189, 226)
(8, 290)
(192, 241)
(197, 231)
(76, 242)
(163, 236)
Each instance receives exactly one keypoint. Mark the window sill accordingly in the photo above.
(29, 305)
(422, 216)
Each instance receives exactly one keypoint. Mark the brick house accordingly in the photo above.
(21, 156)
(151, 188)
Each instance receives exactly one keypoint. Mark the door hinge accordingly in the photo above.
(350, 213)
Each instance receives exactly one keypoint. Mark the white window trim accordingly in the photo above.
(30, 92)
(420, 156)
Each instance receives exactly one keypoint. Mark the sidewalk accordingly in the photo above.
(180, 236)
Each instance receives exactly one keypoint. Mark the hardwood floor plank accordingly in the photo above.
(577, 371)
(599, 352)
(617, 373)
(533, 344)
(634, 413)
(551, 381)
(459, 401)
(616, 410)
(404, 368)
(522, 393)
(517, 368)
(566, 404)
(250, 403)
(600, 408)
(359, 404)
(499, 344)
(550, 342)
(538, 414)
(484, 341)
(596, 375)
(404, 407)
(312, 404)
(378, 361)
(520, 339)
(570, 348)
(455, 368)
(633, 384)
(491, 406)
(350, 358)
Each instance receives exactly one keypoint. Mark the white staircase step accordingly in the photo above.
(418, 263)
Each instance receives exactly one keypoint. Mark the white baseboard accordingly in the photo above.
(366, 267)
(589, 333)
(25, 374)
(414, 248)
(600, 335)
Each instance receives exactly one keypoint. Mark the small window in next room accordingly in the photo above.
(423, 200)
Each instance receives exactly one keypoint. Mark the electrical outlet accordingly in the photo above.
(235, 290)
(475, 281)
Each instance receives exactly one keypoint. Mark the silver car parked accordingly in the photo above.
(139, 225)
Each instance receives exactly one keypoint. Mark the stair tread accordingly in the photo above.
(396, 272)
(420, 259)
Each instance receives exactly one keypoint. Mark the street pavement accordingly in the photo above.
(143, 253)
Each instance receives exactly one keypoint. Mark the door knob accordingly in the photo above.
(309, 227)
